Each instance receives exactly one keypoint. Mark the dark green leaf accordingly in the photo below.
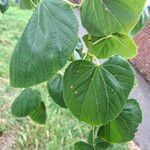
(142, 22)
(101, 145)
(4, 5)
(124, 127)
(90, 137)
(97, 94)
(80, 145)
(28, 4)
(105, 17)
(55, 89)
(119, 44)
(39, 115)
(26, 103)
(45, 45)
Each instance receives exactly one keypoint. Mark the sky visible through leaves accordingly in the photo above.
(148, 2)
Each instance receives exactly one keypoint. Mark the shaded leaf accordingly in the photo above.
(105, 17)
(99, 143)
(97, 94)
(119, 44)
(4, 5)
(102, 145)
(80, 145)
(46, 44)
(142, 22)
(124, 127)
(90, 137)
(55, 89)
(39, 115)
(26, 103)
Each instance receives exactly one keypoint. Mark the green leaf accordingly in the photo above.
(46, 44)
(26, 103)
(102, 145)
(55, 89)
(105, 17)
(99, 143)
(4, 5)
(97, 94)
(80, 145)
(39, 115)
(90, 137)
(119, 44)
(28, 4)
(142, 22)
(124, 127)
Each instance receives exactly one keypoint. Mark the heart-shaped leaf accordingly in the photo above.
(26, 103)
(105, 17)
(46, 44)
(97, 94)
(80, 145)
(124, 127)
(142, 22)
(39, 115)
(4, 5)
(28, 4)
(55, 89)
(117, 44)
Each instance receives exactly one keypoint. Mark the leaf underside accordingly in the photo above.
(117, 44)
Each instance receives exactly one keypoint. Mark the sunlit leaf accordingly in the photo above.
(117, 44)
